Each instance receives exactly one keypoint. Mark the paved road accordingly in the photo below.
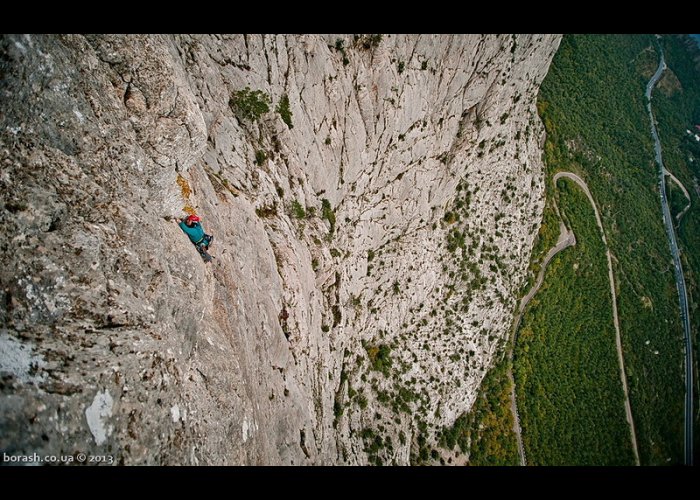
(618, 342)
(678, 270)
(685, 192)
(566, 239)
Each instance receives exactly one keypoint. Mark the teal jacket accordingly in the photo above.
(195, 232)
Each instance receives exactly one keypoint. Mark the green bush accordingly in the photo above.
(368, 41)
(362, 401)
(260, 157)
(337, 409)
(450, 217)
(298, 210)
(380, 360)
(328, 213)
(340, 47)
(250, 104)
(267, 212)
(284, 111)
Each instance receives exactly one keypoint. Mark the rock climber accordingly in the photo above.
(283, 317)
(192, 226)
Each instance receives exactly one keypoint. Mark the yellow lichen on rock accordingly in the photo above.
(186, 191)
(184, 186)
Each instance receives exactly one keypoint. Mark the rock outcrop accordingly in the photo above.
(370, 240)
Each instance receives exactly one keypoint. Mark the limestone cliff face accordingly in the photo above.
(115, 337)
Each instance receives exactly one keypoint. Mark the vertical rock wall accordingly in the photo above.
(115, 338)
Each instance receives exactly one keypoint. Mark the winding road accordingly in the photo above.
(567, 239)
(616, 320)
(678, 268)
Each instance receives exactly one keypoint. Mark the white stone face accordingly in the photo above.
(18, 359)
(97, 414)
(112, 294)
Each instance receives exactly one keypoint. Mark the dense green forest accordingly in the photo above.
(567, 378)
(676, 105)
(593, 107)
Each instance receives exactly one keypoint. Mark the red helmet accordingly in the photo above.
(193, 218)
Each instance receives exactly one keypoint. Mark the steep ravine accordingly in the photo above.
(117, 339)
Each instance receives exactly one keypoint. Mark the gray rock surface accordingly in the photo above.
(117, 339)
